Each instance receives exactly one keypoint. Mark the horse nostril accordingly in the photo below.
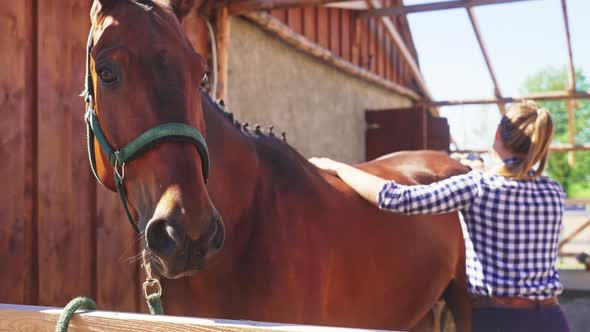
(162, 238)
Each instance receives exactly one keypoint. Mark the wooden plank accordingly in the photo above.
(365, 60)
(83, 192)
(392, 69)
(570, 104)
(571, 74)
(387, 58)
(17, 150)
(222, 36)
(65, 198)
(117, 279)
(274, 26)
(334, 17)
(356, 40)
(323, 28)
(372, 37)
(435, 6)
(280, 14)
(380, 52)
(394, 65)
(295, 19)
(346, 36)
(26, 318)
(310, 23)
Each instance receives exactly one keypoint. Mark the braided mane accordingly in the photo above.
(245, 128)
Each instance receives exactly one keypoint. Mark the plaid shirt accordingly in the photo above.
(511, 228)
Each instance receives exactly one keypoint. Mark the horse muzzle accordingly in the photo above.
(174, 254)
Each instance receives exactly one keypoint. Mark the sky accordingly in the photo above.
(521, 38)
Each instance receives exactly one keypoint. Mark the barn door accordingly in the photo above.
(439, 137)
(407, 129)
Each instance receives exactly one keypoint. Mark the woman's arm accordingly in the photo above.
(365, 184)
(452, 194)
(440, 197)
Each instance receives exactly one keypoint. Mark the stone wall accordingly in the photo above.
(320, 108)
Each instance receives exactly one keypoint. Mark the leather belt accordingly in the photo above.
(511, 302)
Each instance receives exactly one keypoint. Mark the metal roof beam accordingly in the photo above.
(553, 95)
(398, 10)
(482, 47)
(237, 7)
(572, 83)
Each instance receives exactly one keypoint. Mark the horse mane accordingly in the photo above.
(257, 132)
(283, 158)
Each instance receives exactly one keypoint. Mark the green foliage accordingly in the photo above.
(576, 179)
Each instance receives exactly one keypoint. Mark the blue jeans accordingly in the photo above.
(542, 319)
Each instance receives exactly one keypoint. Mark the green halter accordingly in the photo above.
(153, 136)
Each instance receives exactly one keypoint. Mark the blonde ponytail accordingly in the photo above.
(526, 130)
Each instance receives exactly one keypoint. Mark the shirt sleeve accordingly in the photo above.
(448, 195)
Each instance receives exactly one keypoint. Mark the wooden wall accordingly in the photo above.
(362, 42)
(61, 235)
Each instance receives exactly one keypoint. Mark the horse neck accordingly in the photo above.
(234, 163)
(249, 172)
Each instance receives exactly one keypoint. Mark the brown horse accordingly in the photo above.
(300, 246)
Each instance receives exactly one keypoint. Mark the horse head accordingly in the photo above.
(145, 126)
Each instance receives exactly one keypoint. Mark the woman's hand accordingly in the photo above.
(471, 160)
(329, 165)
(365, 184)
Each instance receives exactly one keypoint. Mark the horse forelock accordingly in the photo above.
(99, 11)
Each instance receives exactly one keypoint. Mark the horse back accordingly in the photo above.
(414, 167)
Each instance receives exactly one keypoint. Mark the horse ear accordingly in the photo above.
(183, 7)
(100, 7)
(104, 4)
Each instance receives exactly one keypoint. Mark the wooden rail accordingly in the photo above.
(33, 318)
(573, 234)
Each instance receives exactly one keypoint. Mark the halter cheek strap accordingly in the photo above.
(176, 132)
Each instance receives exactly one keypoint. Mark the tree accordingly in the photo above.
(574, 179)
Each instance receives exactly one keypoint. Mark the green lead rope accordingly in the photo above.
(154, 302)
(81, 302)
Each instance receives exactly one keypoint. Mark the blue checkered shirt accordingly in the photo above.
(511, 228)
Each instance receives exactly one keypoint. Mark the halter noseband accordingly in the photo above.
(118, 158)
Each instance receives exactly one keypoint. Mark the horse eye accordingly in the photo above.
(107, 76)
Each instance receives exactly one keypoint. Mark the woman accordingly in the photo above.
(513, 217)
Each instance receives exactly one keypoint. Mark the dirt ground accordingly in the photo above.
(576, 305)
